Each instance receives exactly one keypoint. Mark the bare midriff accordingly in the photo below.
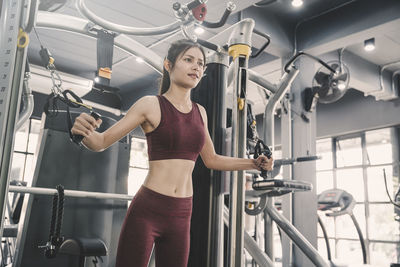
(171, 177)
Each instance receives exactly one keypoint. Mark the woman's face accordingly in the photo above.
(188, 69)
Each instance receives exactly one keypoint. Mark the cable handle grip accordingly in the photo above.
(262, 149)
(230, 7)
(308, 158)
(76, 138)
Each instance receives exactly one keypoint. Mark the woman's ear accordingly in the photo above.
(167, 64)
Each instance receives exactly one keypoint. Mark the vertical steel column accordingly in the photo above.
(12, 60)
(269, 137)
(286, 137)
(218, 126)
(211, 94)
(240, 54)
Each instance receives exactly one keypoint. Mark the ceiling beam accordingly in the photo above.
(281, 37)
(350, 24)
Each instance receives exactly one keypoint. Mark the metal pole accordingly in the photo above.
(236, 196)
(80, 26)
(239, 50)
(69, 193)
(12, 64)
(269, 129)
(294, 234)
(251, 246)
(210, 93)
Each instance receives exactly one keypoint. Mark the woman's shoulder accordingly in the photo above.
(146, 104)
(147, 100)
(201, 108)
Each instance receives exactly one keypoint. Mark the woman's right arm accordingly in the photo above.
(86, 125)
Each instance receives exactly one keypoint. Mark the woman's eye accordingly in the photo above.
(188, 59)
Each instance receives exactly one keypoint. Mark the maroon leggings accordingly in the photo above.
(154, 218)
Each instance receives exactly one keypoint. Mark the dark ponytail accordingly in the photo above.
(165, 82)
(176, 49)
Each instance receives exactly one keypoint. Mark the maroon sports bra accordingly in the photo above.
(178, 136)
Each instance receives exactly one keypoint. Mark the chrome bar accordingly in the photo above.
(69, 193)
(251, 246)
(297, 237)
(127, 29)
(269, 130)
(259, 80)
(81, 26)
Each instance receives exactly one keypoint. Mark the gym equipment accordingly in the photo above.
(84, 218)
(327, 87)
(275, 188)
(340, 202)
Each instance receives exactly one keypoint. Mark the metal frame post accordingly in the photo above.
(12, 60)
(239, 49)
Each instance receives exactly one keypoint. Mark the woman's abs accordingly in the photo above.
(171, 177)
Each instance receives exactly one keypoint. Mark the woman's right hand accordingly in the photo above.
(85, 125)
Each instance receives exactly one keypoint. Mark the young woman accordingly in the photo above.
(176, 131)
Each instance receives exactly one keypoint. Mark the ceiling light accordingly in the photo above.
(198, 30)
(341, 85)
(139, 59)
(369, 44)
(297, 3)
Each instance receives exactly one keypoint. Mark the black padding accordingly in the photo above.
(10, 230)
(17, 207)
(278, 187)
(83, 247)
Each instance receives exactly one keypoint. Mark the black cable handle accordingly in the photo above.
(220, 23)
(60, 212)
(53, 216)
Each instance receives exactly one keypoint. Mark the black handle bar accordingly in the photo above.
(301, 53)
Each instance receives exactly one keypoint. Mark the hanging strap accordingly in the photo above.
(105, 49)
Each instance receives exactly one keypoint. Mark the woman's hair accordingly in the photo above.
(176, 49)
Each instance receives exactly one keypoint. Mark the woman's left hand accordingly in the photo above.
(264, 163)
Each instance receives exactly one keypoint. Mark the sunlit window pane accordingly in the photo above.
(349, 152)
(349, 252)
(351, 180)
(135, 179)
(329, 224)
(34, 136)
(376, 183)
(379, 147)
(383, 254)
(322, 249)
(18, 162)
(382, 225)
(324, 181)
(139, 157)
(21, 137)
(324, 150)
(344, 224)
(29, 169)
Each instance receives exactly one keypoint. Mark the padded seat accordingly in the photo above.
(83, 247)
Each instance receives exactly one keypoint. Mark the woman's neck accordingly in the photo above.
(178, 95)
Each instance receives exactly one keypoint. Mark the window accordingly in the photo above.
(355, 164)
(138, 165)
(26, 139)
(349, 152)
(324, 150)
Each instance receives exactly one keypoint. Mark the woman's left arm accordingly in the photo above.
(225, 163)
